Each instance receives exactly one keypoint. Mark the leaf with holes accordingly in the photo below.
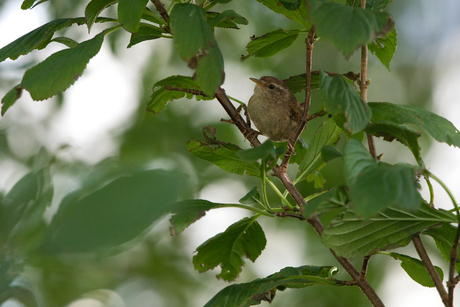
(384, 48)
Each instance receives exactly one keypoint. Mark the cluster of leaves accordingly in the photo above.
(362, 224)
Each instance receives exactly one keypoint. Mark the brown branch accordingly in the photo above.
(309, 42)
(161, 9)
(453, 260)
(431, 270)
(363, 273)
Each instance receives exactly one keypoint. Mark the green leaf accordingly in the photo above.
(340, 97)
(243, 238)
(325, 201)
(130, 12)
(264, 289)
(23, 207)
(34, 39)
(291, 5)
(348, 27)
(182, 82)
(416, 269)
(150, 16)
(375, 5)
(10, 98)
(195, 43)
(271, 43)
(188, 212)
(160, 98)
(146, 32)
(438, 127)
(226, 19)
(250, 197)
(224, 157)
(443, 237)
(112, 215)
(390, 131)
(94, 8)
(329, 153)
(27, 4)
(377, 185)
(299, 15)
(327, 134)
(349, 235)
(384, 48)
(65, 41)
(60, 70)
(298, 83)
(266, 150)
(355, 160)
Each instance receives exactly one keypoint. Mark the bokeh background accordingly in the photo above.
(103, 116)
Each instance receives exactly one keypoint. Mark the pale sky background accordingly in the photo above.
(91, 114)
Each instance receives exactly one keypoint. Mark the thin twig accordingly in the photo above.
(363, 273)
(161, 9)
(309, 42)
(431, 270)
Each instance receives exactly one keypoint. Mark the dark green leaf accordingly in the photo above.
(115, 214)
(146, 32)
(266, 150)
(224, 157)
(187, 212)
(350, 235)
(65, 41)
(444, 237)
(264, 289)
(33, 40)
(348, 27)
(416, 269)
(375, 5)
(150, 16)
(340, 97)
(325, 201)
(226, 19)
(329, 153)
(195, 43)
(327, 134)
(94, 8)
(438, 127)
(160, 98)
(250, 196)
(297, 83)
(10, 98)
(390, 131)
(299, 15)
(291, 5)
(27, 4)
(377, 185)
(23, 207)
(60, 70)
(270, 44)
(384, 48)
(130, 12)
(245, 238)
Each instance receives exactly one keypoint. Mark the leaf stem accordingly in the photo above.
(253, 209)
(447, 191)
(236, 100)
(430, 188)
(278, 192)
(264, 187)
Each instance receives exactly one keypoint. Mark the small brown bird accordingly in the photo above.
(273, 109)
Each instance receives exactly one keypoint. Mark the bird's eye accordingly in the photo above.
(271, 86)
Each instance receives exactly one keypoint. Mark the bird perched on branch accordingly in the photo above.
(273, 109)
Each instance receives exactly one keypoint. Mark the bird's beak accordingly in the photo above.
(257, 81)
